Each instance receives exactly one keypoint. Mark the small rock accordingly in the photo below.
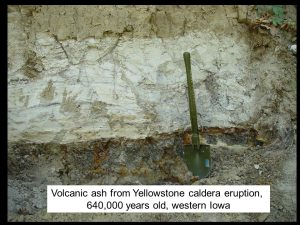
(293, 49)
(256, 166)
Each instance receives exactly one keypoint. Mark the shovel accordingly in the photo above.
(196, 155)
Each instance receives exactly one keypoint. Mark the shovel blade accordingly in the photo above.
(198, 160)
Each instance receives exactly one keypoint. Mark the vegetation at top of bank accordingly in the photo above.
(274, 16)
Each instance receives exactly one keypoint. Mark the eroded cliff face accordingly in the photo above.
(106, 86)
(80, 73)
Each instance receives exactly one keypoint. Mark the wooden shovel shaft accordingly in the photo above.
(192, 103)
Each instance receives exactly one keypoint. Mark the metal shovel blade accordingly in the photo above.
(198, 159)
(196, 155)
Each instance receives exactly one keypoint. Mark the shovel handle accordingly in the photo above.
(192, 103)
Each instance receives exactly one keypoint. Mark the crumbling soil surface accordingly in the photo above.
(237, 164)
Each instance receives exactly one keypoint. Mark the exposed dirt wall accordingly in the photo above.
(98, 95)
